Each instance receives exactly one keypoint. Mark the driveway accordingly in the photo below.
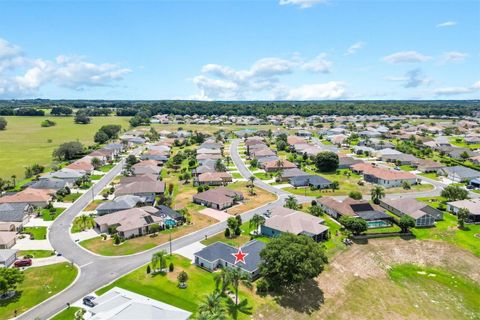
(216, 214)
(188, 251)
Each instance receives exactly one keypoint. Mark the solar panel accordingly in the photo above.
(148, 219)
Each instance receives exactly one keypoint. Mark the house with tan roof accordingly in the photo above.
(276, 165)
(129, 223)
(142, 187)
(293, 140)
(426, 165)
(84, 164)
(385, 177)
(36, 197)
(214, 178)
(423, 214)
(262, 153)
(285, 220)
(472, 205)
(219, 198)
(7, 239)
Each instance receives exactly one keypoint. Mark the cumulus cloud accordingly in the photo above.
(446, 24)
(412, 79)
(301, 3)
(355, 47)
(451, 91)
(453, 56)
(22, 76)
(406, 57)
(260, 80)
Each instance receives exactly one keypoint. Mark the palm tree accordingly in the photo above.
(279, 164)
(236, 277)
(222, 280)
(256, 221)
(377, 194)
(291, 203)
(212, 305)
(85, 221)
(96, 163)
(251, 179)
(159, 260)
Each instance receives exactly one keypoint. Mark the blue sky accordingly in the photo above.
(234, 50)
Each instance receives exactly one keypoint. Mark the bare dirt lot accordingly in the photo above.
(357, 285)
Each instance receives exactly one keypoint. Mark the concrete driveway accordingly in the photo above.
(216, 214)
(189, 250)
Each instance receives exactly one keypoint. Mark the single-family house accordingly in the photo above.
(214, 178)
(275, 165)
(221, 255)
(384, 177)
(142, 188)
(219, 198)
(120, 203)
(16, 212)
(426, 166)
(49, 184)
(286, 175)
(423, 214)
(400, 159)
(7, 257)
(311, 180)
(460, 173)
(285, 220)
(472, 205)
(7, 239)
(38, 198)
(66, 174)
(130, 223)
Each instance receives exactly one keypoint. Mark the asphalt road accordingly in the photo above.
(98, 271)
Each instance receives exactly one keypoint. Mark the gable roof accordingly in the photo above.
(408, 206)
(130, 219)
(13, 212)
(29, 195)
(218, 195)
(223, 251)
(296, 222)
(141, 187)
(121, 203)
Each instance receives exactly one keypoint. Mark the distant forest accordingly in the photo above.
(255, 108)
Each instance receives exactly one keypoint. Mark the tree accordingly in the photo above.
(159, 260)
(68, 150)
(212, 308)
(355, 195)
(291, 202)
(406, 222)
(61, 111)
(33, 170)
(316, 210)
(377, 194)
(96, 162)
(227, 233)
(219, 166)
(454, 193)
(406, 185)
(334, 185)
(290, 259)
(222, 280)
(254, 163)
(47, 123)
(131, 160)
(81, 117)
(256, 221)
(148, 269)
(182, 278)
(462, 216)
(326, 161)
(354, 225)
(232, 223)
(236, 277)
(100, 137)
(3, 123)
(10, 279)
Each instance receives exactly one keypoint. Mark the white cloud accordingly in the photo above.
(318, 64)
(260, 80)
(355, 47)
(318, 91)
(453, 56)
(450, 91)
(406, 57)
(412, 79)
(26, 76)
(446, 24)
(301, 3)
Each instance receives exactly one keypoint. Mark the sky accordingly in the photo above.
(240, 50)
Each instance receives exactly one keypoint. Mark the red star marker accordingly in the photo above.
(240, 256)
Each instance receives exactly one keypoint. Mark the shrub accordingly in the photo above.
(171, 267)
(227, 233)
(148, 269)
(262, 286)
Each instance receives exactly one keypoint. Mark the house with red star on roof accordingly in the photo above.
(221, 255)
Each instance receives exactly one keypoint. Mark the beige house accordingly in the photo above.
(7, 239)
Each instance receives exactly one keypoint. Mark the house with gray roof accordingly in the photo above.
(66, 174)
(423, 214)
(312, 180)
(50, 184)
(287, 174)
(460, 173)
(7, 257)
(17, 212)
(402, 158)
(120, 203)
(221, 255)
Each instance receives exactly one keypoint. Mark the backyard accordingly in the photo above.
(40, 142)
(40, 283)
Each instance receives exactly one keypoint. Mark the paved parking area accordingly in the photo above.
(189, 250)
(216, 214)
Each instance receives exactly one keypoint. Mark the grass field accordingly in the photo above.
(24, 142)
(37, 233)
(36, 253)
(40, 283)
(48, 216)
(163, 287)
(235, 241)
(66, 314)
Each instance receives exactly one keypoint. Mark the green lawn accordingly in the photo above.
(37, 233)
(106, 167)
(393, 228)
(27, 143)
(36, 253)
(440, 286)
(264, 175)
(430, 175)
(48, 216)
(71, 197)
(236, 175)
(66, 314)
(407, 167)
(236, 241)
(40, 283)
(164, 287)
(96, 177)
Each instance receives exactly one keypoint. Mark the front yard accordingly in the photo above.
(36, 233)
(250, 202)
(163, 287)
(71, 197)
(40, 283)
(49, 216)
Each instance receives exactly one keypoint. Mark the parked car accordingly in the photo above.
(23, 263)
(88, 301)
